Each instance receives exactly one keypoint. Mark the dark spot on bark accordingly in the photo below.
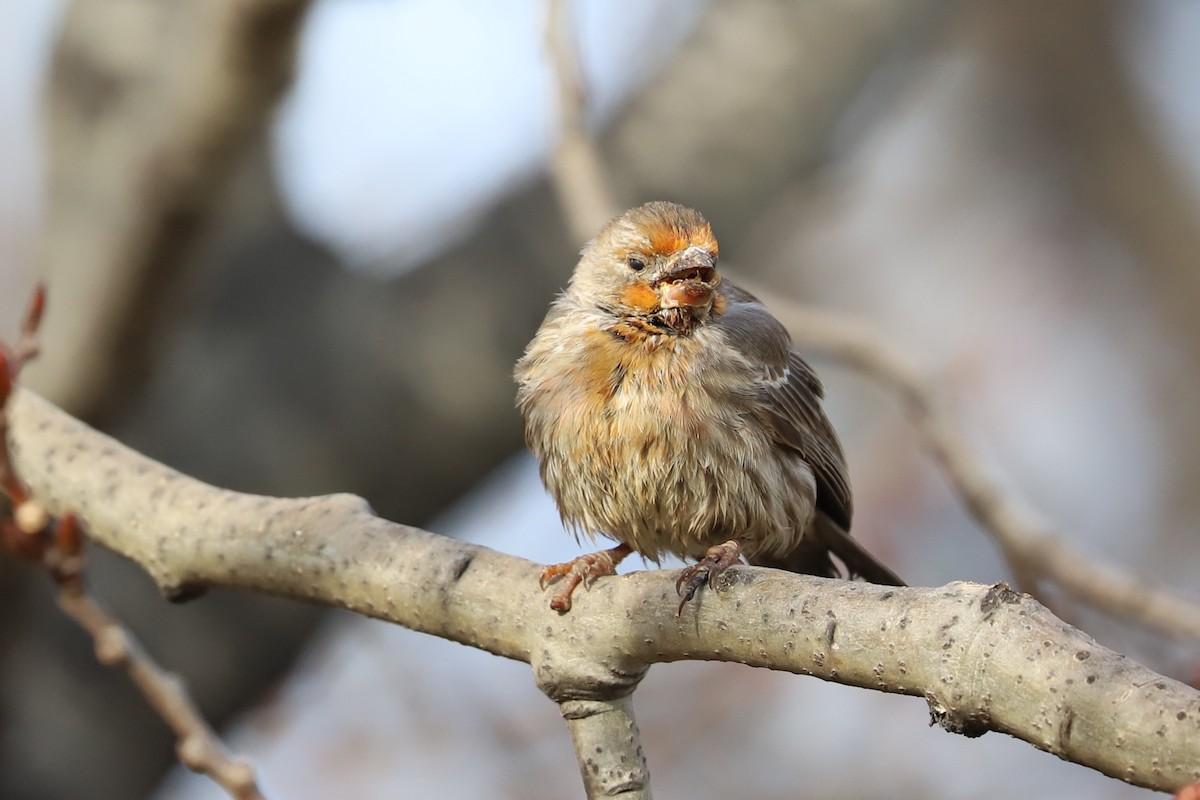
(460, 566)
(1064, 729)
(1000, 594)
(887, 595)
(972, 725)
(830, 631)
(1083, 655)
(1091, 678)
(1181, 715)
(184, 592)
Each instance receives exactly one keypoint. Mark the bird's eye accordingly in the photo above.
(636, 264)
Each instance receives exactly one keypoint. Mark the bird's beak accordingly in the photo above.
(691, 282)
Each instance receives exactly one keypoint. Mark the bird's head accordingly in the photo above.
(655, 262)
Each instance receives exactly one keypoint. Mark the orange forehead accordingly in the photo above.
(666, 239)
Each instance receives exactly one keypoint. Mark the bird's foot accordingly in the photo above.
(705, 571)
(584, 569)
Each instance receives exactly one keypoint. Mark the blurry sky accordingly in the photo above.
(454, 97)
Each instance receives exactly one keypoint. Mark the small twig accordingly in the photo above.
(578, 171)
(198, 747)
(57, 545)
(12, 361)
(1034, 551)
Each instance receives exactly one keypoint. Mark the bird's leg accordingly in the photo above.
(584, 569)
(718, 559)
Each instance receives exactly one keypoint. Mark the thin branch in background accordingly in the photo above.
(57, 545)
(1034, 551)
(577, 169)
(197, 745)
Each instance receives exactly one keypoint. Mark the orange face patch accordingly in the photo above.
(641, 296)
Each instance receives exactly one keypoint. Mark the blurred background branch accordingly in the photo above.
(149, 110)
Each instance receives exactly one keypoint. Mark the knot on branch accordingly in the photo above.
(972, 724)
(999, 595)
(565, 673)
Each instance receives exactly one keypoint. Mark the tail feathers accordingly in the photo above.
(812, 556)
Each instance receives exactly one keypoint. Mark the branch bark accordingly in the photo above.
(985, 658)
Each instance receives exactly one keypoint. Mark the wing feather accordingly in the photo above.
(790, 399)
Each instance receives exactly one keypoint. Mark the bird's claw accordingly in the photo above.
(585, 569)
(706, 571)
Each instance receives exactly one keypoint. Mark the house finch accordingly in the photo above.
(667, 411)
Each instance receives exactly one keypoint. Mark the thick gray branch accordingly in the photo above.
(985, 658)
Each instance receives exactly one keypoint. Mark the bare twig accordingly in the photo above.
(578, 171)
(1035, 552)
(962, 646)
(198, 747)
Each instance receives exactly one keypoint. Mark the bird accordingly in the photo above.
(668, 412)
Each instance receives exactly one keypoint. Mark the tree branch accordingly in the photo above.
(985, 658)
(606, 738)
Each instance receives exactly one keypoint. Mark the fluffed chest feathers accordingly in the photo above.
(626, 455)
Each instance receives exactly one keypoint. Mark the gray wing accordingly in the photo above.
(790, 400)
(793, 406)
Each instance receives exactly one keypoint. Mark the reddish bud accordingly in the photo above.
(31, 517)
(68, 535)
